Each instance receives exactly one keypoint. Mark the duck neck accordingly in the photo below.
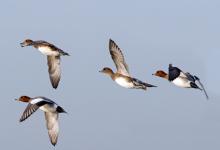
(166, 77)
(112, 75)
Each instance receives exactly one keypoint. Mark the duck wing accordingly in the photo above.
(174, 73)
(118, 58)
(29, 110)
(54, 70)
(203, 88)
(52, 126)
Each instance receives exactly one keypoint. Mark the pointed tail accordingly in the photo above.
(149, 85)
(64, 53)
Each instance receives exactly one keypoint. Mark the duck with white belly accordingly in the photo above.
(53, 54)
(122, 76)
(181, 79)
(51, 110)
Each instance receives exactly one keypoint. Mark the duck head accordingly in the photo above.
(26, 42)
(161, 73)
(25, 99)
(107, 71)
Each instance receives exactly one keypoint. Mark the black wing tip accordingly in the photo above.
(54, 144)
(111, 43)
(54, 85)
(22, 119)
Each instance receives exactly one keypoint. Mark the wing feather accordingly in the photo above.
(30, 109)
(118, 58)
(54, 70)
(52, 126)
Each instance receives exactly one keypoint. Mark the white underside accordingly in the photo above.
(124, 83)
(182, 82)
(47, 51)
(48, 108)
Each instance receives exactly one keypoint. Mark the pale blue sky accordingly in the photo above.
(102, 115)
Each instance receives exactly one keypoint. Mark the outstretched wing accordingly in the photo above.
(194, 79)
(54, 70)
(190, 77)
(30, 109)
(118, 58)
(52, 126)
(203, 88)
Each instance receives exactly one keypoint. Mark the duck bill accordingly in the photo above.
(22, 44)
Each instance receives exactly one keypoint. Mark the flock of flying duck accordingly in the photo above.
(121, 77)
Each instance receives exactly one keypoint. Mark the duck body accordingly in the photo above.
(51, 110)
(124, 81)
(181, 79)
(45, 104)
(132, 83)
(181, 82)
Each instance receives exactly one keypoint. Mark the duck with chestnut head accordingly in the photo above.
(180, 78)
(51, 110)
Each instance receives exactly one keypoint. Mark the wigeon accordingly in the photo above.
(181, 79)
(53, 54)
(122, 76)
(51, 110)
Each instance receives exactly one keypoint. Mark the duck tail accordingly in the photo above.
(64, 53)
(149, 85)
(195, 86)
(141, 84)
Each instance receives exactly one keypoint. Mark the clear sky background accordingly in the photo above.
(102, 115)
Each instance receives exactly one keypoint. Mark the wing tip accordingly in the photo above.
(53, 140)
(54, 143)
(112, 43)
(55, 86)
(54, 83)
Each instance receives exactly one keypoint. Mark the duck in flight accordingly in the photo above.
(181, 79)
(122, 75)
(51, 110)
(53, 54)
